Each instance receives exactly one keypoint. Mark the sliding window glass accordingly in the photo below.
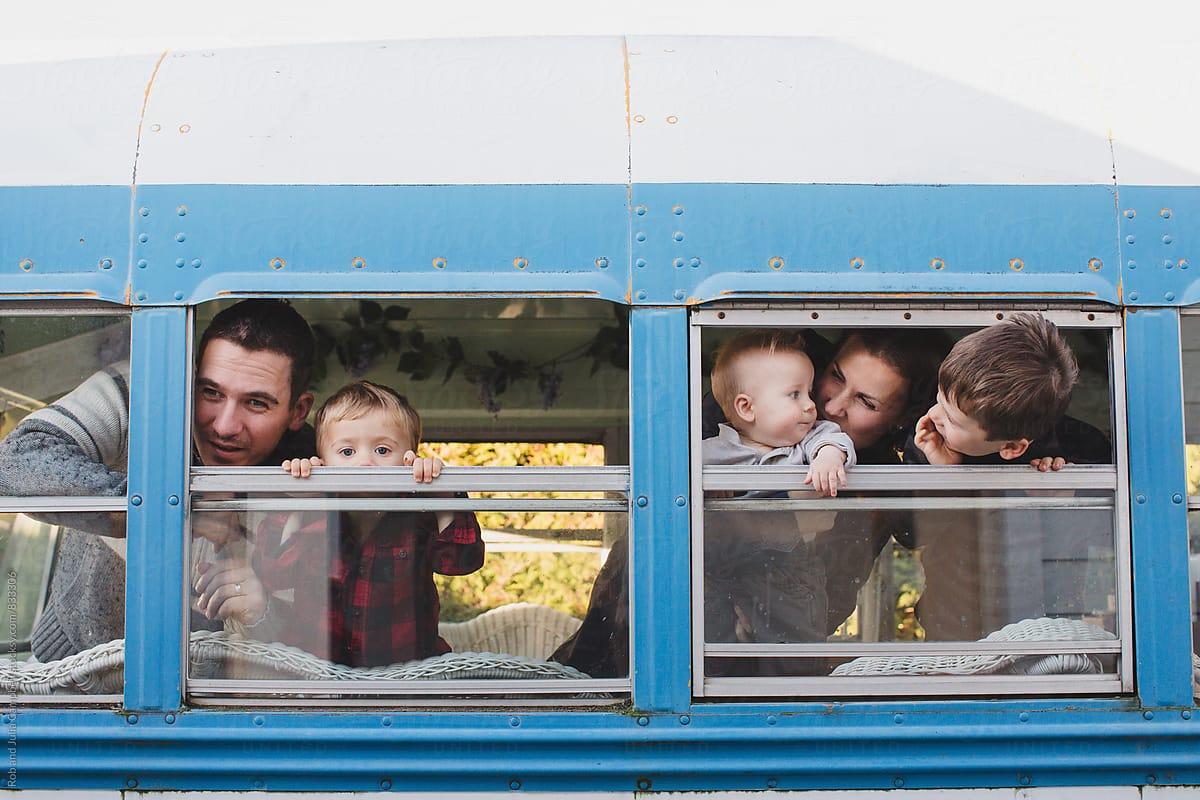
(1190, 340)
(462, 536)
(982, 575)
(64, 423)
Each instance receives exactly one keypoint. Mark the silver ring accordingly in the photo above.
(237, 587)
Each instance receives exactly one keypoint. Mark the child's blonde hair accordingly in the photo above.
(725, 383)
(357, 399)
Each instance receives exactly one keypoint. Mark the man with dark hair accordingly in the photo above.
(251, 401)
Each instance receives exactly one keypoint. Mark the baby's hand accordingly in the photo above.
(827, 473)
(933, 445)
(424, 469)
(301, 467)
(1048, 464)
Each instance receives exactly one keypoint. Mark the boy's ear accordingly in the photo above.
(743, 406)
(1014, 449)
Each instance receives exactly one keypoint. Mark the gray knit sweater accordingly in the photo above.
(78, 446)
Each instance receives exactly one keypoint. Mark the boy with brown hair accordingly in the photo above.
(1003, 393)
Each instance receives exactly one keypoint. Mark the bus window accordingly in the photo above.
(361, 579)
(64, 419)
(1190, 339)
(914, 572)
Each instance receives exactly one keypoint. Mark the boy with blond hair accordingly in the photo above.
(363, 580)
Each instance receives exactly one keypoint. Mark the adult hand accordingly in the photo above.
(219, 527)
(933, 445)
(229, 589)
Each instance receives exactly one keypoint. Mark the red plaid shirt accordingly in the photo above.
(370, 601)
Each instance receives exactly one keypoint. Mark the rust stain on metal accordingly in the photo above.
(625, 60)
(49, 295)
(142, 114)
(906, 295)
(352, 295)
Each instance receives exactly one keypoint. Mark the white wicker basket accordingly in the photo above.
(520, 629)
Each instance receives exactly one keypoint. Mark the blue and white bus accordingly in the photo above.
(541, 242)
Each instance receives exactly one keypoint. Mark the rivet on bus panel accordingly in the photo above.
(1016, 264)
(358, 262)
(169, 719)
(132, 719)
(278, 263)
(439, 263)
(131, 783)
(385, 785)
(106, 263)
(1130, 239)
(898, 719)
(179, 262)
(1095, 264)
(258, 783)
(771, 719)
(520, 263)
(178, 295)
(143, 237)
(1130, 213)
(640, 263)
(672, 119)
(1177, 498)
(1024, 716)
(1151, 779)
(1165, 213)
(1169, 296)
(695, 262)
(1024, 780)
(514, 722)
(1183, 263)
(677, 236)
(643, 784)
(936, 263)
(641, 211)
(386, 722)
(180, 237)
(197, 263)
(638, 118)
(1168, 263)
(898, 782)
(1166, 239)
(26, 264)
(642, 501)
(1133, 295)
(514, 784)
(677, 210)
(1131, 264)
(145, 212)
(259, 721)
(142, 263)
(1148, 715)
(643, 721)
(1141, 498)
(684, 719)
(136, 500)
(182, 211)
(184, 128)
(679, 294)
(775, 263)
(641, 237)
(141, 296)
(602, 262)
(156, 127)
(677, 262)
(772, 783)
(641, 295)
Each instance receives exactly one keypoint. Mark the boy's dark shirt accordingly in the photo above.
(1071, 439)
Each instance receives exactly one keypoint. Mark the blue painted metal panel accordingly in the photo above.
(697, 242)
(195, 243)
(1160, 244)
(1162, 610)
(158, 449)
(64, 241)
(660, 581)
(825, 748)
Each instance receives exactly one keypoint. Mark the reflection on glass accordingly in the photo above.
(28, 547)
(916, 575)
(395, 595)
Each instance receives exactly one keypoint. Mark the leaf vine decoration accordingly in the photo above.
(369, 336)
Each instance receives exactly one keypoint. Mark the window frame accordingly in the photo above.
(34, 504)
(851, 315)
(450, 694)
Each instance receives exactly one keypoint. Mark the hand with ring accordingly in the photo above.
(229, 589)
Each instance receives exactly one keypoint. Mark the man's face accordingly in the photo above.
(243, 404)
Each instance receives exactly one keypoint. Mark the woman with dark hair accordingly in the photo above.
(875, 385)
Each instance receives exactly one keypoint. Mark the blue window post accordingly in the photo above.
(1161, 612)
(158, 453)
(659, 580)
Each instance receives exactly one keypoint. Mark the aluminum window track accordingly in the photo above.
(850, 650)
(916, 478)
(55, 504)
(399, 480)
(382, 503)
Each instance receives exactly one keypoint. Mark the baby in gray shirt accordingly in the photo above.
(763, 382)
(762, 582)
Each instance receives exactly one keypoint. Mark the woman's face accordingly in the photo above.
(862, 393)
